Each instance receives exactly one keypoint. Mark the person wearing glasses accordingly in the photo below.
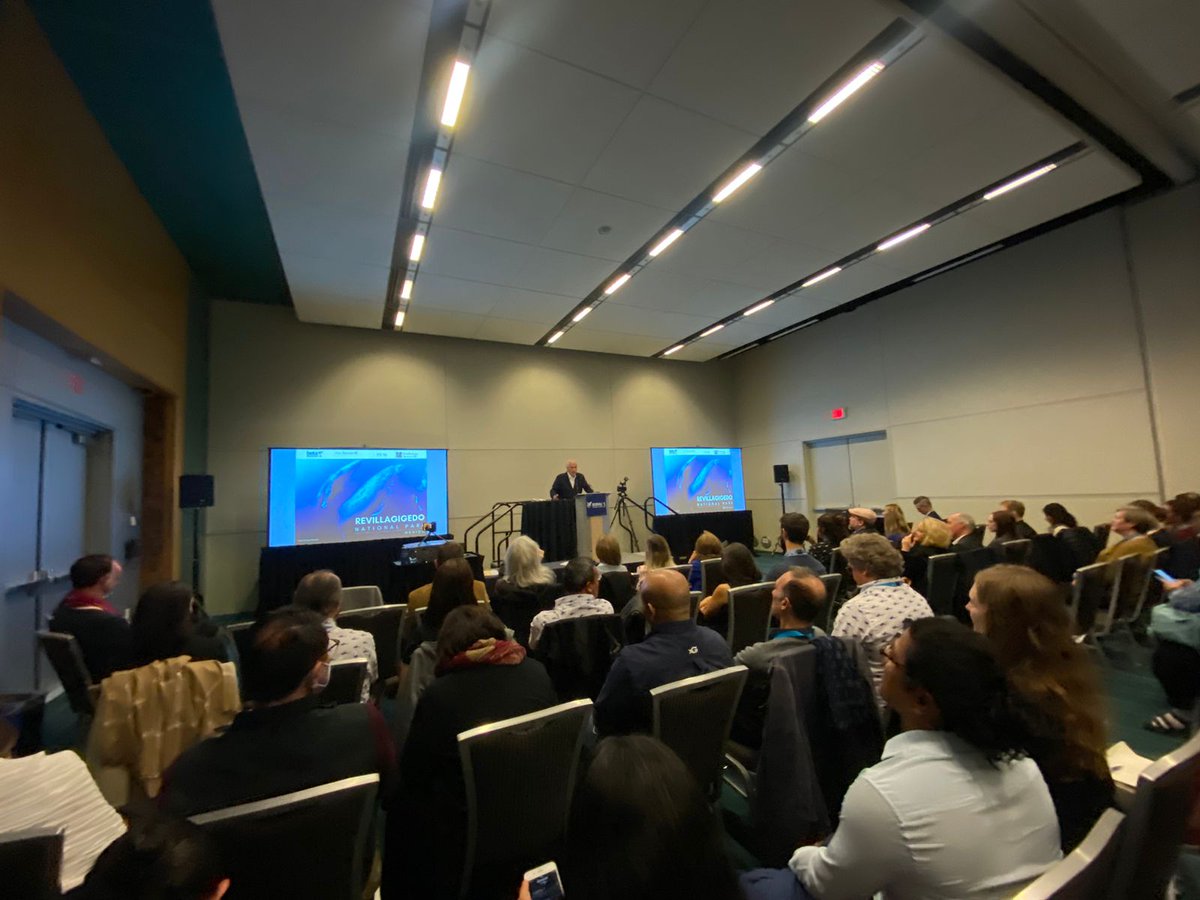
(284, 740)
(955, 808)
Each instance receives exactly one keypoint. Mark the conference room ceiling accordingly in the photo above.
(589, 126)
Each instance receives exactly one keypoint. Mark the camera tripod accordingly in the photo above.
(623, 518)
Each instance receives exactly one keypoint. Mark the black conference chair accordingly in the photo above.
(578, 653)
(383, 623)
(617, 588)
(67, 661)
(749, 615)
(1015, 553)
(361, 597)
(1129, 599)
(693, 717)
(519, 776)
(346, 680)
(1085, 872)
(833, 587)
(941, 583)
(694, 598)
(308, 845)
(240, 632)
(31, 863)
(1092, 588)
(711, 574)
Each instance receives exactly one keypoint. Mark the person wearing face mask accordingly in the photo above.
(284, 740)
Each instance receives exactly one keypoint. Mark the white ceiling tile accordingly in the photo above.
(568, 274)
(510, 331)
(494, 300)
(1162, 36)
(626, 40)
(700, 351)
(423, 320)
(661, 288)
(748, 64)
(529, 112)
(330, 232)
(599, 341)
(639, 320)
(576, 229)
(716, 251)
(475, 257)
(356, 290)
(319, 307)
(665, 155)
(489, 199)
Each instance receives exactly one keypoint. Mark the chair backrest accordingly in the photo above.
(1016, 553)
(693, 717)
(1156, 825)
(1085, 872)
(383, 623)
(309, 845)
(1136, 574)
(240, 632)
(941, 583)
(711, 574)
(617, 588)
(971, 564)
(520, 777)
(833, 589)
(65, 656)
(346, 680)
(361, 596)
(578, 653)
(684, 569)
(31, 862)
(694, 599)
(749, 615)
(1091, 594)
(838, 564)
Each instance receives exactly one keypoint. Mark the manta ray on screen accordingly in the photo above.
(373, 496)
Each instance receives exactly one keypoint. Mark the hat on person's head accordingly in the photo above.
(867, 515)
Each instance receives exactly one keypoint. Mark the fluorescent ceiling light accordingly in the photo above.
(713, 330)
(752, 310)
(903, 236)
(454, 94)
(431, 188)
(666, 242)
(579, 316)
(1017, 182)
(738, 180)
(399, 318)
(406, 290)
(418, 244)
(845, 91)
(617, 284)
(554, 337)
(673, 349)
(828, 273)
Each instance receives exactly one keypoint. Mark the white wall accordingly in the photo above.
(1021, 375)
(509, 415)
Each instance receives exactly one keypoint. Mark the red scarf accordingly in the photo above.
(486, 652)
(80, 600)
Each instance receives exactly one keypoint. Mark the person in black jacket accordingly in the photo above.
(1024, 531)
(569, 483)
(962, 533)
(103, 635)
(482, 677)
(164, 626)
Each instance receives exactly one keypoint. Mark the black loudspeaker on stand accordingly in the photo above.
(196, 493)
(783, 475)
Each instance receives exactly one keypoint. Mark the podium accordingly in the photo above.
(591, 521)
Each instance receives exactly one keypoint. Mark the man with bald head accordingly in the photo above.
(569, 483)
(675, 648)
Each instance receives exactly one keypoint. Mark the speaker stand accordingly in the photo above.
(195, 550)
(782, 502)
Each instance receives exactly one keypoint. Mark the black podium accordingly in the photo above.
(552, 524)
(682, 530)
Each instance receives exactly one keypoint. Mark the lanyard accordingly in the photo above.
(794, 633)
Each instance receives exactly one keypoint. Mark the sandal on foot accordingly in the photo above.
(1167, 723)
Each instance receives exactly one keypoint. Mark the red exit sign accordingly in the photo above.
(839, 413)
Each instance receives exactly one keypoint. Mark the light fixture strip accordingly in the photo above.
(1017, 182)
(407, 289)
(455, 92)
(817, 279)
(747, 172)
(759, 307)
(398, 322)
(554, 337)
(712, 330)
(903, 236)
(671, 237)
(432, 181)
(845, 91)
(617, 284)
(417, 247)
(958, 262)
(581, 315)
(674, 349)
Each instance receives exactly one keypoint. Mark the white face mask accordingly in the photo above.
(321, 681)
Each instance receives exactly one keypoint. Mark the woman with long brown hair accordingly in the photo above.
(1024, 617)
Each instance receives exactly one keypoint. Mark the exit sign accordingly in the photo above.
(839, 413)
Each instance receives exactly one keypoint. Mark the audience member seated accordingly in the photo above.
(581, 582)
(164, 626)
(1080, 544)
(796, 601)
(1180, 518)
(1176, 660)
(104, 637)
(895, 526)
(675, 648)
(954, 809)
(877, 614)
(1022, 614)
(158, 858)
(418, 598)
(658, 554)
(832, 529)
(862, 520)
(527, 588)
(925, 507)
(1024, 531)
(1003, 526)
(481, 677)
(321, 591)
(708, 546)
(1131, 524)
(641, 829)
(285, 740)
(963, 538)
(793, 535)
(1179, 537)
(739, 569)
(608, 555)
(616, 583)
(929, 537)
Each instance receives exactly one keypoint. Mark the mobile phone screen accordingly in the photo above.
(1162, 576)
(546, 887)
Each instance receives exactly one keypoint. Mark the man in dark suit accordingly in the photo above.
(925, 507)
(569, 483)
(962, 533)
(1025, 531)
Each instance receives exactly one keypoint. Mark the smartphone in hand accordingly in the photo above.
(544, 883)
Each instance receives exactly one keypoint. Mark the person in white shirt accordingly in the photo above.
(954, 809)
(581, 582)
(884, 604)
(321, 591)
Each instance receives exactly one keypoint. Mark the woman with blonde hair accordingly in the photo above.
(527, 588)
(1022, 613)
(895, 526)
(708, 546)
(929, 537)
(658, 554)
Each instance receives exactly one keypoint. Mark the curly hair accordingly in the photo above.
(873, 554)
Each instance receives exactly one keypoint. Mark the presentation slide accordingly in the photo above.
(318, 495)
(697, 479)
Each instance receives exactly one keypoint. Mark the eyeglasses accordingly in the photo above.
(333, 644)
(889, 653)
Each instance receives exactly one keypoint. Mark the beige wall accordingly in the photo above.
(1021, 375)
(509, 416)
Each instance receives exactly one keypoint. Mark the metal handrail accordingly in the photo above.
(488, 522)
